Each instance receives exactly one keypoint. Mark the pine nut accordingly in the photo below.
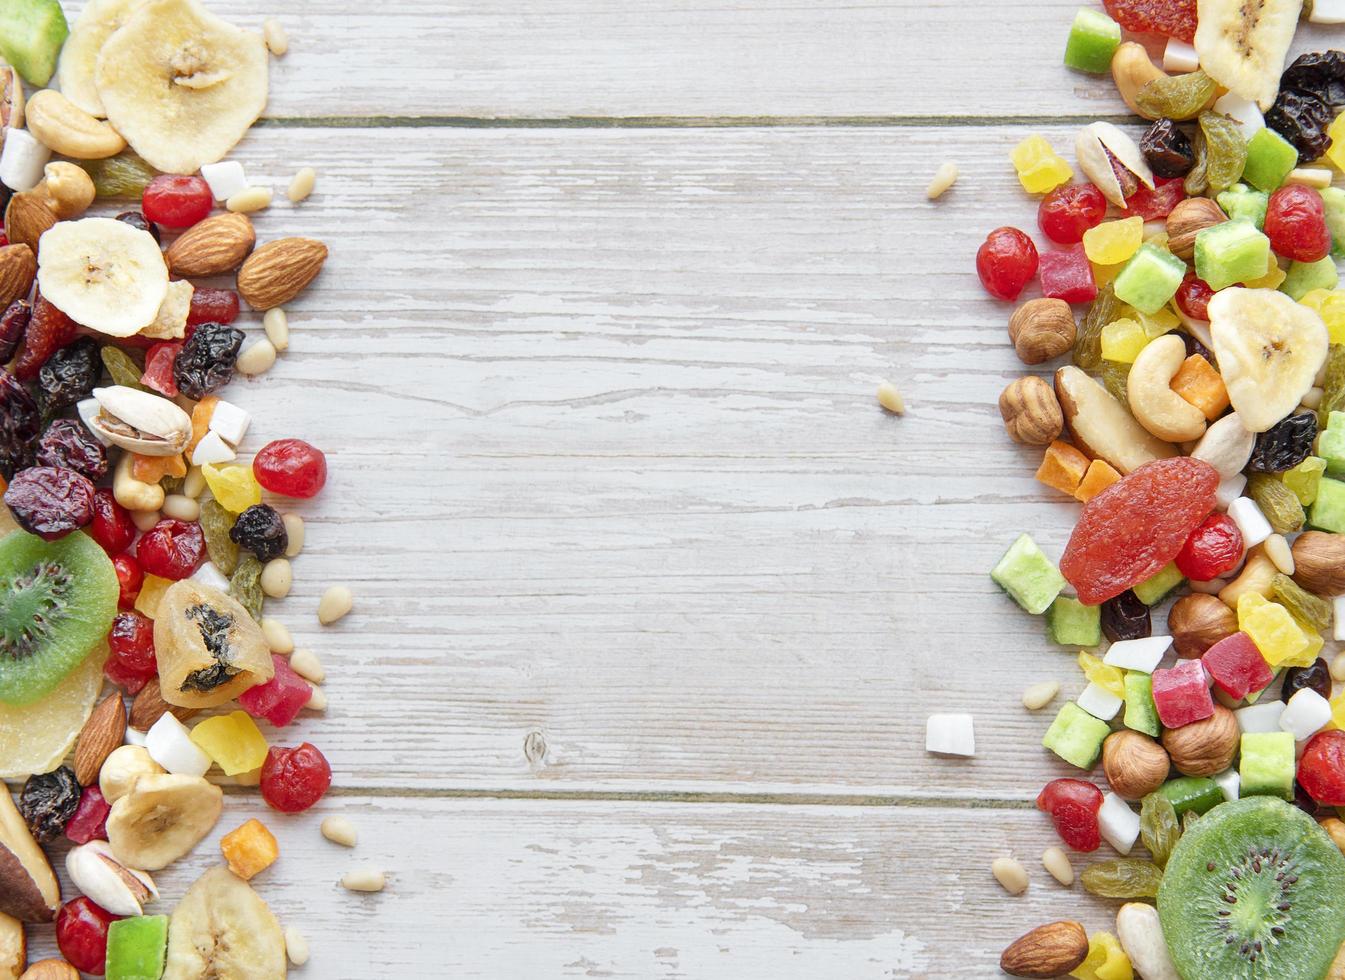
(1312, 398)
(277, 327)
(1279, 552)
(317, 701)
(277, 41)
(944, 178)
(144, 519)
(277, 577)
(334, 604)
(294, 531)
(277, 635)
(296, 946)
(1317, 177)
(194, 483)
(891, 399)
(180, 507)
(250, 199)
(364, 880)
(339, 830)
(1338, 667)
(1040, 695)
(302, 184)
(1056, 861)
(257, 359)
(307, 665)
(1011, 875)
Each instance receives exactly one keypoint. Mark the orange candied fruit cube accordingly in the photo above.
(1099, 477)
(200, 420)
(250, 849)
(152, 469)
(1200, 385)
(1063, 467)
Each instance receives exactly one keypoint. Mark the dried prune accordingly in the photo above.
(261, 530)
(1177, 96)
(137, 219)
(1285, 444)
(50, 501)
(121, 367)
(1125, 617)
(1301, 118)
(1168, 149)
(245, 585)
(69, 376)
(1088, 344)
(48, 801)
(1320, 73)
(1225, 148)
(1315, 676)
(48, 331)
(19, 425)
(206, 361)
(70, 444)
(13, 322)
(1278, 503)
(216, 523)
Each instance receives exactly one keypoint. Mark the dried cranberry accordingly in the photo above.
(212, 306)
(261, 530)
(1157, 203)
(1321, 768)
(294, 779)
(47, 802)
(1285, 444)
(1213, 548)
(1167, 149)
(48, 331)
(159, 361)
(131, 663)
(206, 361)
(50, 501)
(130, 578)
(1193, 297)
(13, 322)
(171, 549)
(81, 934)
(1125, 617)
(175, 201)
(1069, 211)
(1316, 676)
(1073, 805)
(137, 220)
(112, 526)
(1296, 224)
(1171, 18)
(89, 821)
(291, 468)
(70, 444)
(1006, 262)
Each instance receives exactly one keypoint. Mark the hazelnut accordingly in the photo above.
(1042, 329)
(1196, 622)
(1319, 563)
(1135, 765)
(1031, 412)
(50, 970)
(1188, 219)
(66, 189)
(1204, 748)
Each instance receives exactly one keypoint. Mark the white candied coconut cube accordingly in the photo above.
(1230, 490)
(22, 160)
(1245, 112)
(1179, 57)
(211, 449)
(1338, 617)
(1099, 702)
(1119, 824)
(1142, 655)
(1305, 714)
(209, 574)
(1229, 783)
(225, 178)
(169, 744)
(950, 734)
(1327, 12)
(1257, 719)
(230, 421)
(1250, 521)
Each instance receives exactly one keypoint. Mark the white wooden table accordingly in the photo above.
(653, 600)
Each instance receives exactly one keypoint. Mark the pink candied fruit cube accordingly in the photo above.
(1237, 666)
(281, 698)
(1181, 694)
(1067, 274)
(89, 821)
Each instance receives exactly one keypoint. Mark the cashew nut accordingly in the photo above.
(1131, 70)
(1155, 405)
(130, 492)
(67, 189)
(1226, 445)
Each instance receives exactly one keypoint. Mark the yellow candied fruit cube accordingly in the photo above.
(1273, 277)
(1329, 304)
(1337, 711)
(1336, 154)
(1106, 960)
(1272, 628)
(233, 486)
(234, 741)
(1102, 675)
(1113, 242)
(1040, 168)
(249, 849)
(1157, 324)
(1105, 274)
(151, 594)
(1122, 340)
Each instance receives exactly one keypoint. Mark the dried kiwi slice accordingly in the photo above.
(57, 600)
(1252, 891)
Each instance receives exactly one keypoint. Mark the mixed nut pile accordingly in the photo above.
(137, 550)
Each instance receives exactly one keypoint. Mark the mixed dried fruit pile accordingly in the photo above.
(138, 552)
(1201, 423)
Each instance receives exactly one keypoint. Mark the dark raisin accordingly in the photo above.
(1285, 444)
(136, 219)
(70, 444)
(13, 323)
(20, 423)
(1321, 73)
(1305, 802)
(1315, 676)
(47, 803)
(1194, 346)
(260, 530)
(206, 361)
(48, 331)
(1126, 618)
(69, 376)
(1168, 149)
(1302, 119)
(50, 501)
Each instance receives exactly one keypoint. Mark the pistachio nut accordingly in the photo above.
(107, 882)
(1112, 161)
(140, 421)
(11, 99)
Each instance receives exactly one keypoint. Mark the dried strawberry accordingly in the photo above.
(48, 331)
(1170, 18)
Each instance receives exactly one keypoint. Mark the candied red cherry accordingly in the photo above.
(1296, 224)
(112, 526)
(159, 361)
(131, 663)
(1214, 547)
(1073, 805)
(1067, 212)
(81, 933)
(1006, 262)
(130, 577)
(212, 306)
(1193, 297)
(1321, 768)
(294, 779)
(171, 549)
(291, 468)
(1157, 203)
(175, 201)
(89, 821)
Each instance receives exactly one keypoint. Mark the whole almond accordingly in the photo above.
(18, 266)
(1052, 950)
(102, 733)
(26, 219)
(68, 129)
(213, 246)
(279, 271)
(149, 706)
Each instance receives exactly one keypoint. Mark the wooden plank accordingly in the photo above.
(647, 890)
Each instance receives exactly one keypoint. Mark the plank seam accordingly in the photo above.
(677, 796)
(679, 122)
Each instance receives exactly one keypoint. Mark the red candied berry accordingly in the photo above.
(1067, 274)
(131, 663)
(1296, 224)
(171, 549)
(130, 577)
(1157, 203)
(48, 331)
(1067, 212)
(3, 240)
(1213, 548)
(1006, 262)
(1171, 18)
(89, 821)
(112, 526)
(159, 361)
(212, 306)
(281, 698)
(1193, 297)
(291, 468)
(81, 933)
(1073, 805)
(1321, 768)
(175, 201)
(294, 779)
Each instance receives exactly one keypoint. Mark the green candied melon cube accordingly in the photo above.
(1328, 510)
(1303, 479)
(1231, 252)
(1076, 736)
(1030, 578)
(1152, 590)
(136, 948)
(1192, 794)
(1093, 39)
(1334, 199)
(1150, 278)
(1141, 713)
(1072, 624)
(1267, 765)
(1331, 446)
(1304, 277)
(1270, 157)
(1241, 202)
(31, 35)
